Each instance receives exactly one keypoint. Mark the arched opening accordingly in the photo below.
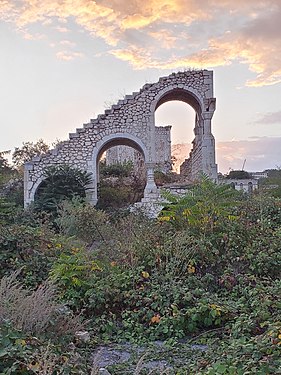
(182, 111)
(121, 173)
(181, 118)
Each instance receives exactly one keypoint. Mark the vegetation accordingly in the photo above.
(273, 182)
(119, 186)
(60, 182)
(239, 175)
(205, 274)
(27, 151)
(6, 171)
(116, 170)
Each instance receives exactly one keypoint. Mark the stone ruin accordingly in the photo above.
(131, 122)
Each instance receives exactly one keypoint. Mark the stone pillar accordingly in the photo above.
(27, 184)
(207, 117)
(92, 190)
(150, 190)
(208, 148)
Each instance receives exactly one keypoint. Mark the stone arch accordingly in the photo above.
(35, 187)
(202, 155)
(188, 95)
(103, 145)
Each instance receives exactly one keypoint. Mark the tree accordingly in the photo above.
(6, 171)
(119, 185)
(28, 151)
(273, 183)
(4, 164)
(61, 182)
(237, 175)
(201, 207)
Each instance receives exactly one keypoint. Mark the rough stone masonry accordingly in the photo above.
(131, 122)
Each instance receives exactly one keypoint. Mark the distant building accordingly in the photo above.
(258, 175)
(244, 185)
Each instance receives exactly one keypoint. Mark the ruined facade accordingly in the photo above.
(131, 122)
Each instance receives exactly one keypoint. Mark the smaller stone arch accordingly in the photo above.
(30, 194)
(118, 139)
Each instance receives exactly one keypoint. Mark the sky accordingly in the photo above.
(64, 62)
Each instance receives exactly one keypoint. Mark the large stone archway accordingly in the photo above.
(131, 122)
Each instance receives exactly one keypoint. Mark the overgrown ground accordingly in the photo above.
(206, 272)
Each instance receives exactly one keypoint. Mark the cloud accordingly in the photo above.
(269, 118)
(37, 36)
(166, 38)
(68, 55)
(247, 32)
(67, 43)
(260, 154)
(62, 29)
(138, 57)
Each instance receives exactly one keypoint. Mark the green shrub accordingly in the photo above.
(32, 249)
(61, 182)
(80, 219)
(116, 170)
(35, 331)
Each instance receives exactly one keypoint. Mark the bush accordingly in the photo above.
(210, 275)
(34, 312)
(80, 219)
(30, 248)
(27, 355)
(61, 182)
(35, 330)
(74, 273)
(116, 170)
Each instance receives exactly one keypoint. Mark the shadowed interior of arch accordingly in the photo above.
(183, 96)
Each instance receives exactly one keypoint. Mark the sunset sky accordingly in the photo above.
(63, 62)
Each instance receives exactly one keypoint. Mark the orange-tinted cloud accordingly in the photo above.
(260, 153)
(165, 37)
